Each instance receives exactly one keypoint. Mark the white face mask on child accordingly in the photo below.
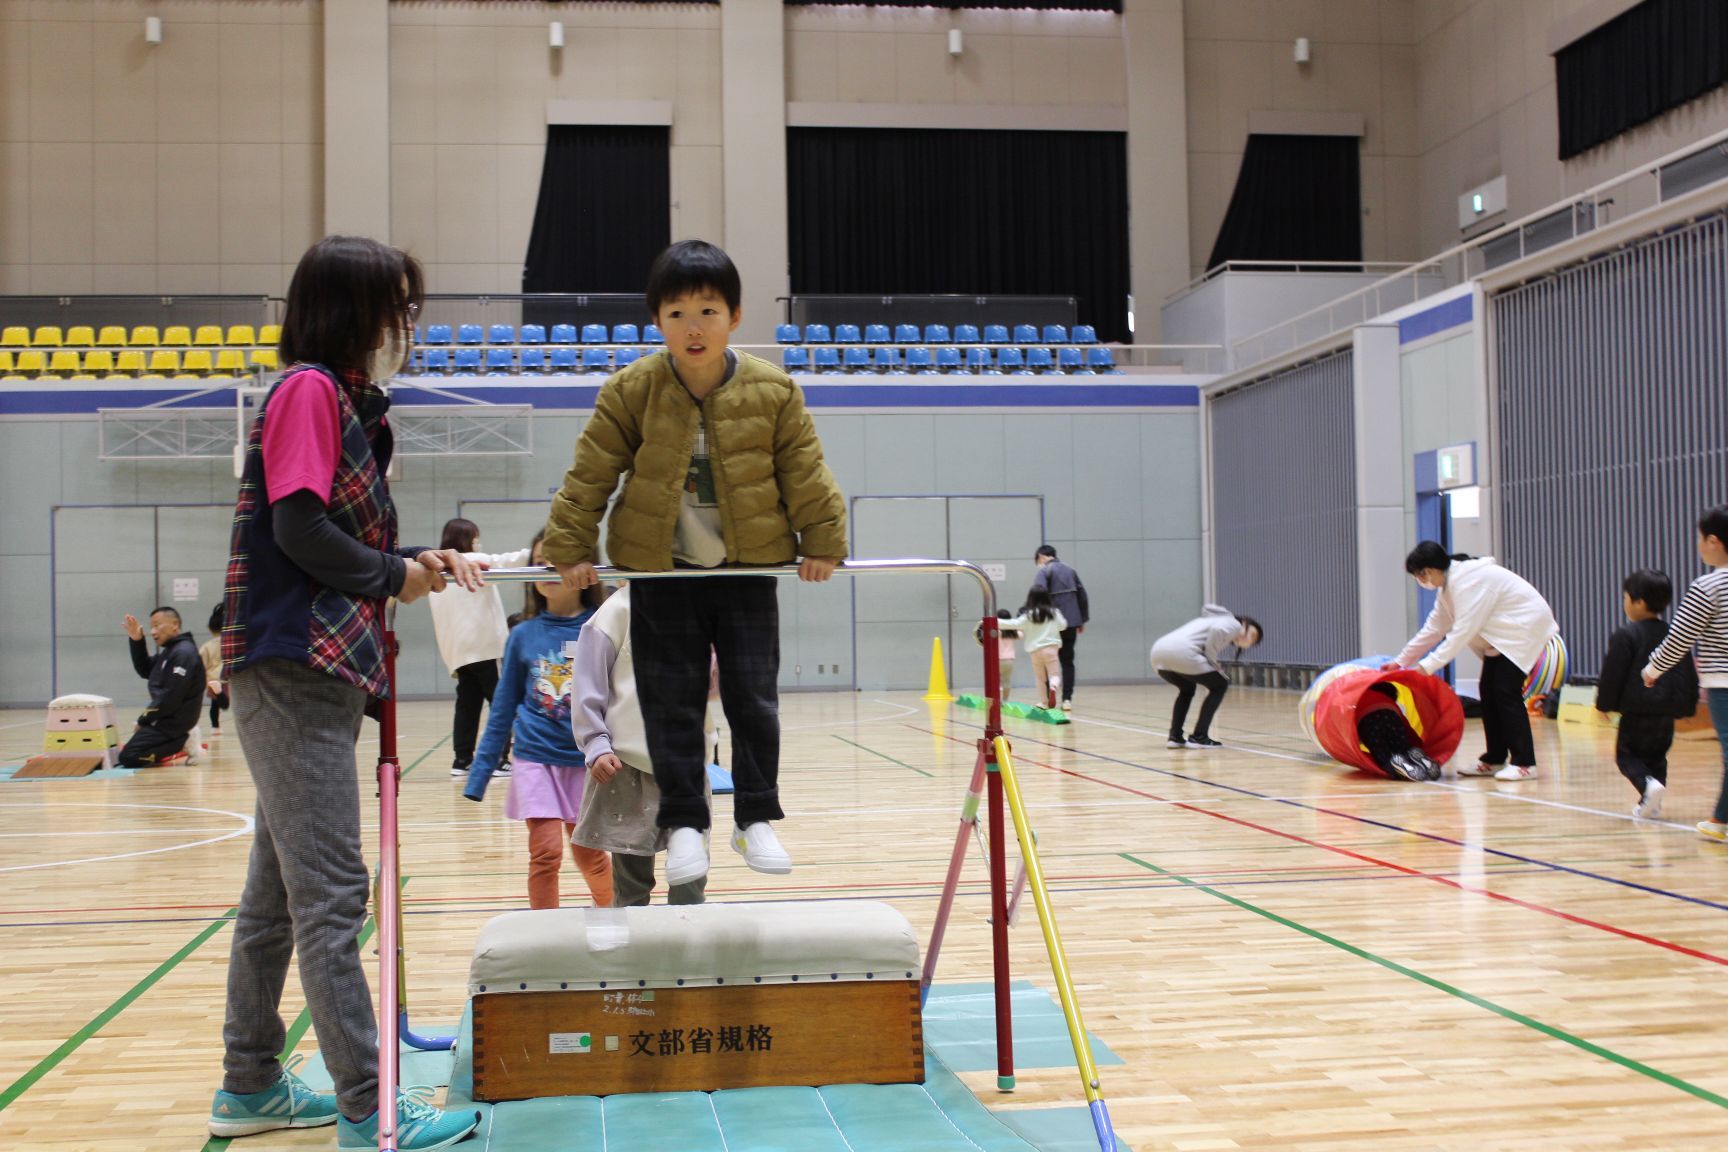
(388, 358)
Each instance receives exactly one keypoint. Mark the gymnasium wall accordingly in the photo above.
(1486, 107)
(1119, 495)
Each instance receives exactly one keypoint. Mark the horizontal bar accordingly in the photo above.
(845, 568)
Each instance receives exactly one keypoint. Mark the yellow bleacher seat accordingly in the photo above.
(144, 336)
(186, 376)
(198, 360)
(6, 364)
(176, 336)
(82, 336)
(81, 377)
(232, 361)
(241, 336)
(47, 336)
(164, 360)
(208, 336)
(33, 361)
(13, 380)
(116, 376)
(266, 359)
(111, 336)
(130, 361)
(15, 338)
(270, 334)
(101, 360)
(63, 361)
(151, 377)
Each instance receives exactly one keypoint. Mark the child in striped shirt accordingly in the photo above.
(1702, 620)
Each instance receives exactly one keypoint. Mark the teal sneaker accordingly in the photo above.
(288, 1103)
(419, 1126)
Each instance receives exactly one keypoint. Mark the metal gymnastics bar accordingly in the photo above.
(986, 785)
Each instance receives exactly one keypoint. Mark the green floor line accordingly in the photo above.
(423, 755)
(1578, 1042)
(48, 1063)
(885, 756)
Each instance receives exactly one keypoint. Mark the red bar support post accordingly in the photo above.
(990, 633)
(389, 908)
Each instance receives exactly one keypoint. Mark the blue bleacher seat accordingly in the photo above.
(532, 334)
(1040, 360)
(651, 334)
(596, 359)
(857, 359)
(906, 334)
(1070, 359)
(919, 362)
(888, 359)
(1085, 334)
(467, 362)
(817, 334)
(788, 334)
(469, 334)
(935, 333)
(1025, 334)
(563, 333)
(795, 359)
(626, 334)
(533, 359)
(827, 360)
(965, 334)
(1012, 360)
(437, 360)
(438, 334)
(594, 334)
(626, 356)
(1100, 359)
(1055, 334)
(563, 359)
(846, 334)
(978, 359)
(995, 334)
(500, 360)
(501, 334)
(876, 334)
(948, 359)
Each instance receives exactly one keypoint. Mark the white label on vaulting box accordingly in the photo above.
(568, 1042)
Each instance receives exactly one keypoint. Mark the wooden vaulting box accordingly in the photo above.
(593, 1002)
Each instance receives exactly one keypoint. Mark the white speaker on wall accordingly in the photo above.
(555, 36)
(152, 29)
(1301, 54)
(956, 43)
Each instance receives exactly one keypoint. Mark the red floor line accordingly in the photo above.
(1408, 871)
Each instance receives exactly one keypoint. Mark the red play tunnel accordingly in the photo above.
(1427, 702)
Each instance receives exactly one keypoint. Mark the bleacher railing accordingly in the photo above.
(133, 311)
(1620, 199)
(928, 308)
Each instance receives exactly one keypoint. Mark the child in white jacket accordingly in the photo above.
(1188, 659)
(1040, 625)
(1500, 617)
(470, 628)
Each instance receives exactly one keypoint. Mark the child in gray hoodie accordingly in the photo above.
(1188, 657)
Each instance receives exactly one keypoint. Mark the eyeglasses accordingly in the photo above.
(412, 312)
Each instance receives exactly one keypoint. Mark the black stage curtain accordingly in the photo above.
(1297, 198)
(605, 209)
(1637, 66)
(978, 213)
(1046, 5)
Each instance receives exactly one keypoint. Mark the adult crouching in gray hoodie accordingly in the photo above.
(1188, 657)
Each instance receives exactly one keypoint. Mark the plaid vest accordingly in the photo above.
(276, 610)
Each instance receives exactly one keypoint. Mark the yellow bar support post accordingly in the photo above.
(1053, 943)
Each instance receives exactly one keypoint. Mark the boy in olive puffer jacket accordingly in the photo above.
(721, 466)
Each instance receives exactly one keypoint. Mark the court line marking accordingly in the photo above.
(1502, 897)
(1531, 1022)
(246, 826)
(1435, 836)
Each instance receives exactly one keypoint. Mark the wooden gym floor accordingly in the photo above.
(1287, 954)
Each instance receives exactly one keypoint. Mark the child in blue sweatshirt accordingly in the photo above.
(533, 699)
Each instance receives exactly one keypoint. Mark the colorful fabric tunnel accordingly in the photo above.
(1332, 706)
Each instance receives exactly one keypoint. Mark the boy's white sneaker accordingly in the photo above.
(1650, 805)
(1516, 772)
(761, 848)
(686, 856)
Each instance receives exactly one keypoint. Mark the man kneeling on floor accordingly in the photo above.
(169, 726)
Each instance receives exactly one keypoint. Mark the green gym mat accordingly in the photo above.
(960, 1027)
(1017, 708)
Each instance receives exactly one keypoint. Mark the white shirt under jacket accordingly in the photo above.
(1489, 610)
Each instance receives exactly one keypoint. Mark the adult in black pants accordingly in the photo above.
(1496, 614)
(176, 677)
(1069, 595)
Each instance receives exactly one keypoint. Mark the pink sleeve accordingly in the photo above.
(301, 438)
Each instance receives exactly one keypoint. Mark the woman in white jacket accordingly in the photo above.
(1188, 658)
(1500, 617)
(471, 628)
